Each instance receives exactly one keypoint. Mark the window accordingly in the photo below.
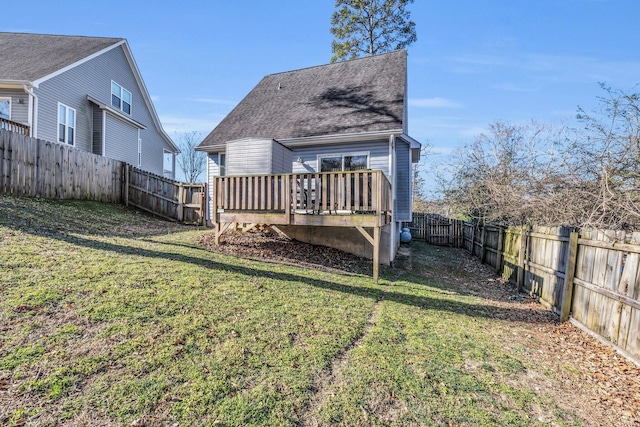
(120, 98)
(222, 164)
(344, 162)
(167, 164)
(5, 108)
(66, 124)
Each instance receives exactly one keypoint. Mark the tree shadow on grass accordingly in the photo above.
(443, 303)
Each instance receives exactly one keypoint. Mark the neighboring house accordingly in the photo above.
(323, 153)
(82, 91)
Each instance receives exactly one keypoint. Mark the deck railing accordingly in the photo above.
(333, 193)
(14, 126)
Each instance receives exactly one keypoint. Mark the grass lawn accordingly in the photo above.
(112, 317)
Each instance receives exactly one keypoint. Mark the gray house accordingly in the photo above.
(83, 91)
(323, 153)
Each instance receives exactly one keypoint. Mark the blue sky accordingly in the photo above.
(475, 61)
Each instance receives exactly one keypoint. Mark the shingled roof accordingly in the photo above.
(33, 56)
(356, 96)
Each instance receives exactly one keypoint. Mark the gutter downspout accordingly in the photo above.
(34, 110)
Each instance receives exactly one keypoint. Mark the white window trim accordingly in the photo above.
(66, 136)
(343, 155)
(222, 153)
(120, 97)
(4, 98)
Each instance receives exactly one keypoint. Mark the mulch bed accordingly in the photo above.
(267, 245)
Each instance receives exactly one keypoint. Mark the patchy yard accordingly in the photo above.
(109, 317)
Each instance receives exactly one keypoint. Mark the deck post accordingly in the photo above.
(376, 253)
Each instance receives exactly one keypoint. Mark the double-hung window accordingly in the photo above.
(344, 162)
(66, 124)
(120, 98)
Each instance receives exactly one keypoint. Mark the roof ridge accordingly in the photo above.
(62, 35)
(336, 63)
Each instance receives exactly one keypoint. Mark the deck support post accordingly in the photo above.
(375, 242)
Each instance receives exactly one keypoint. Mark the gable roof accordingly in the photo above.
(34, 56)
(357, 96)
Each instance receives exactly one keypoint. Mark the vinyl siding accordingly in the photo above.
(263, 156)
(125, 136)
(97, 129)
(378, 155)
(402, 208)
(19, 112)
(94, 78)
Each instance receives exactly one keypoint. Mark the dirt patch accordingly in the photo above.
(266, 245)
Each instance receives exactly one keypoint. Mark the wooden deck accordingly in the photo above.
(357, 199)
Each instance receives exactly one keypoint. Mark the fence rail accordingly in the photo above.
(37, 168)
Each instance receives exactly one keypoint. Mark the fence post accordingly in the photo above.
(473, 240)
(500, 250)
(127, 177)
(180, 213)
(483, 238)
(569, 275)
(524, 237)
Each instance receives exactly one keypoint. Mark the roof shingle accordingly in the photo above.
(33, 56)
(360, 95)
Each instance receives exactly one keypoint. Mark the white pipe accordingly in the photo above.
(34, 113)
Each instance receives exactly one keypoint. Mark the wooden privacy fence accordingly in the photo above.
(436, 229)
(37, 168)
(169, 199)
(594, 275)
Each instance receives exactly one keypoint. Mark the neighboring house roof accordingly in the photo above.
(358, 96)
(34, 58)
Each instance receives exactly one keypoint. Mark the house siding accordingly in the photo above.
(94, 78)
(402, 206)
(378, 155)
(125, 136)
(19, 112)
(257, 157)
(97, 129)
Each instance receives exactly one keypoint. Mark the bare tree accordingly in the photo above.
(507, 175)
(191, 162)
(552, 175)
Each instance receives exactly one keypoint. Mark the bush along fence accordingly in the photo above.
(32, 167)
(590, 277)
